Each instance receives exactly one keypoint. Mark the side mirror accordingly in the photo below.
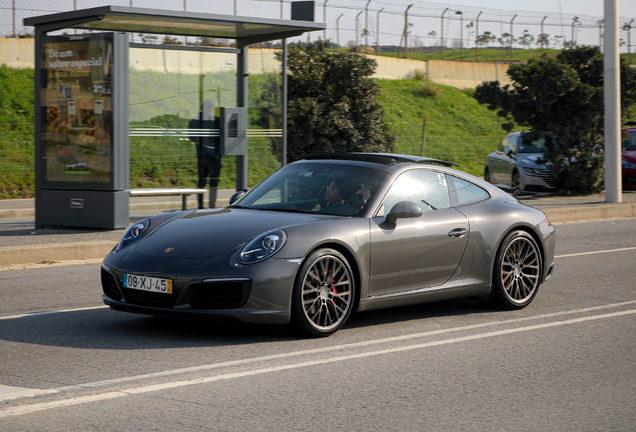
(403, 210)
(236, 195)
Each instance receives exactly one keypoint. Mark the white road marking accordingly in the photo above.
(596, 252)
(31, 314)
(71, 401)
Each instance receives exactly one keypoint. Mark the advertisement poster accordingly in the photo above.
(77, 106)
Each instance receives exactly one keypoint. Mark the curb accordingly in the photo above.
(54, 252)
(591, 213)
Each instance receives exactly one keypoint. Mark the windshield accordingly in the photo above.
(630, 142)
(527, 146)
(333, 189)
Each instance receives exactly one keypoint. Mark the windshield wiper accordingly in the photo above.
(288, 210)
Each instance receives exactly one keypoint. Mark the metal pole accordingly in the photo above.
(324, 17)
(541, 35)
(366, 26)
(461, 34)
(242, 100)
(477, 36)
(511, 38)
(406, 32)
(629, 42)
(338, 31)
(442, 35)
(357, 35)
(284, 107)
(612, 101)
(574, 21)
(377, 42)
(600, 34)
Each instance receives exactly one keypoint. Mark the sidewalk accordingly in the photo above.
(23, 245)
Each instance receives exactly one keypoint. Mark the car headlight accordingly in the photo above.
(132, 233)
(532, 171)
(628, 165)
(263, 247)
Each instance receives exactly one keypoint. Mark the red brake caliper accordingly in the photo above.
(333, 288)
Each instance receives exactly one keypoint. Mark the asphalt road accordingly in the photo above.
(565, 363)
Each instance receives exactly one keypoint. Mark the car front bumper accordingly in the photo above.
(209, 290)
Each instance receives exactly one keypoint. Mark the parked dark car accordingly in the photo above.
(333, 234)
(628, 159)
(514, 166)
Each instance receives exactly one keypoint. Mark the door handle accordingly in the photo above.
(458, 232)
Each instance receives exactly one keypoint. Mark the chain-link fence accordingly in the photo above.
(381, 25)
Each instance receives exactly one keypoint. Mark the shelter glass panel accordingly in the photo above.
(168, 89)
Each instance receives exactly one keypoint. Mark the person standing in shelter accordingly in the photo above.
(208, 151)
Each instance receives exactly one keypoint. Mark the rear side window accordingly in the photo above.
(427, 189)
(466, 192)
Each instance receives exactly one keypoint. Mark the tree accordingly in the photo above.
(332, 103)
(486, 38)
(561, 100)
(526, 39)
(506, 39)
(543, 39)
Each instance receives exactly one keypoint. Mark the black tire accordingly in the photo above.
(323, 295)
(517, 271)
(516, 184)
(487, 175)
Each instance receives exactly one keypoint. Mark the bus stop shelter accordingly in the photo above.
(82, 101)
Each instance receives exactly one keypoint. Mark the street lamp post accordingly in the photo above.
(461, 34)
(477, 36)
(377, 42)
(442, 34)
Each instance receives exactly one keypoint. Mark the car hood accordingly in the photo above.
(530, 160)
(202, 234)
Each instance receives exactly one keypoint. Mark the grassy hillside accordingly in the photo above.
(427, 119)
(488, 55)
(455, 127)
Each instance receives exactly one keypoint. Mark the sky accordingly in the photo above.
(627, 8)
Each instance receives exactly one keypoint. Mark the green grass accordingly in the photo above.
(487, 55)
(17, 178)
(458, 129)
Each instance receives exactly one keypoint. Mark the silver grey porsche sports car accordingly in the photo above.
(333, 234)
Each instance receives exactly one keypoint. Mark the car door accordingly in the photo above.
(417, 252)
(496, 162)
(509, 159)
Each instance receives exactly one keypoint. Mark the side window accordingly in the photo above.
(466, 192)
(502, 145)
(427, 189)
(511, 145)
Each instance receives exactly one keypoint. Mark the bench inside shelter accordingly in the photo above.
(168, 192)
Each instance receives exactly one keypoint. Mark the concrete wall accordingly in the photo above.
(20, 53)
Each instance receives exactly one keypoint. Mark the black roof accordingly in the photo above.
(380, 158)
